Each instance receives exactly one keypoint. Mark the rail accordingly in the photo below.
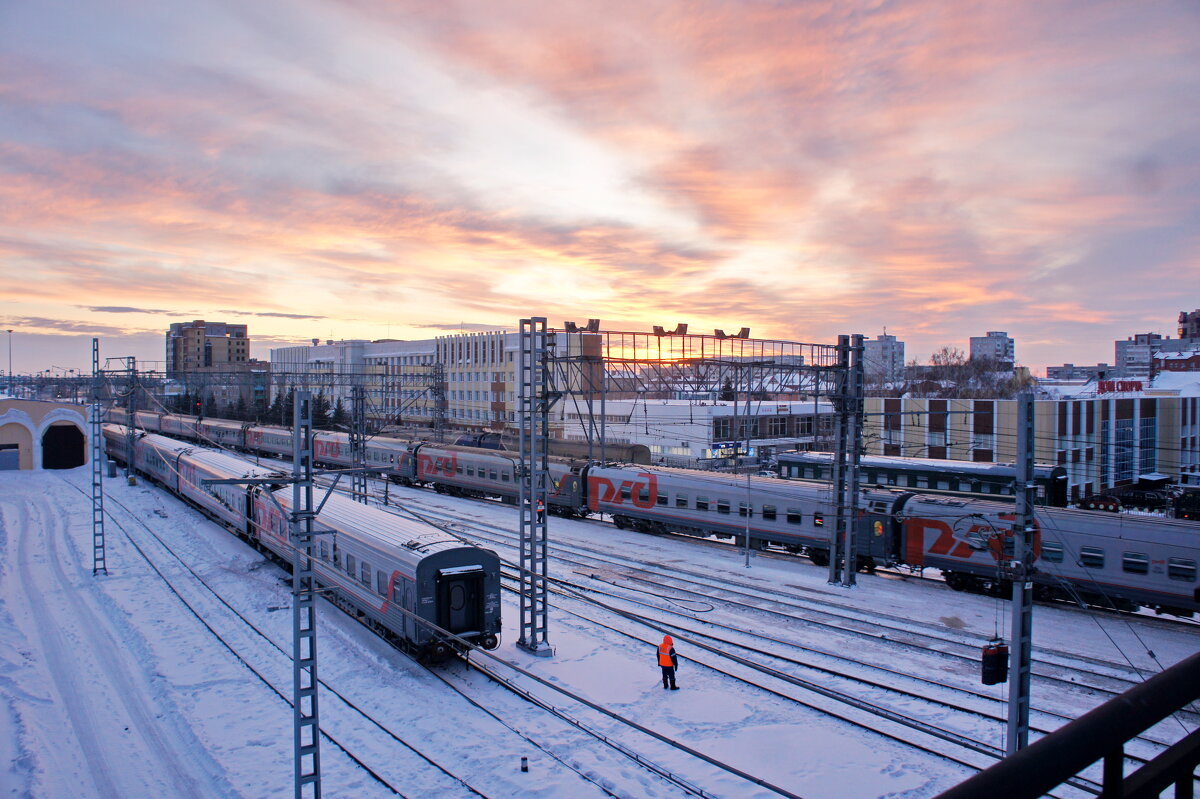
(1101, 735)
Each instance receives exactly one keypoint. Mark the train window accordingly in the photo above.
(1135, 563)
(818, 520)
(1052, 552)
(701, 503)
(626, 492)
(644, 495)
(872, 477)
(662, 499)
(458, 468)
(1181, 569)
(1091, 557)
(922, 482)
(350, 565)
(794, 516)
(768, 513)
(681, 500)
(744, 509)
(324, 548)
(471, 471)
(891, 479)
(364, 574)
(943, 485)
(505, 477)
(492, 475)
(381, 583)
(964, 486)
(722, 506)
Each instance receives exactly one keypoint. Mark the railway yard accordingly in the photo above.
(171, 675)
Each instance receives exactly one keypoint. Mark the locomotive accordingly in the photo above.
(1081, 556)
(398, 576)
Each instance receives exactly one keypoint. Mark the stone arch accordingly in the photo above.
(67, 451)
(64, 446)
(15, 435)
(17, 427)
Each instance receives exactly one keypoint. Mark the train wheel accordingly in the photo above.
(620, 522)
(489, 641)
(819, 556)
(957, 581)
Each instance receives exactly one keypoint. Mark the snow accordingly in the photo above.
(112, 686)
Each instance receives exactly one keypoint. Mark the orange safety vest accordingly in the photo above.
(664, 652)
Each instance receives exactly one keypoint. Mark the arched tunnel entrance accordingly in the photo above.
(63, 447)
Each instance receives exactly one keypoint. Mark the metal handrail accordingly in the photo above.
(1098, 735)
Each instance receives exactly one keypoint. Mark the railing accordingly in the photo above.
(1102, 735)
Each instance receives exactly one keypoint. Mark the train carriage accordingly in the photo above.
(798, 517)
(390, 572)
(467, 471)
(393, 571)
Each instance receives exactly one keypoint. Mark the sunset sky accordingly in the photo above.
(390, 169)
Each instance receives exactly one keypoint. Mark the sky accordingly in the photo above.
(396, 169)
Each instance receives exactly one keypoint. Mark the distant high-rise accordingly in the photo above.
(198, 344)
(1189, 324)
(995, 346)
(883, 358)
(1135, 355)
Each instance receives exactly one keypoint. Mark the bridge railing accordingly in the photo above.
(1101, 735)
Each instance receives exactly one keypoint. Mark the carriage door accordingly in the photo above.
(460, 599)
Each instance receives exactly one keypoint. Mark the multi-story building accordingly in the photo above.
(1106, 438)
(883, 359)
(1135, 355)
(995, 346)
(1189, 324)
(1069, 371)
(1177, 360)
(198, 344)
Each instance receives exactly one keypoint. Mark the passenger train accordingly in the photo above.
(932, 475)
(398, 576)
(1082, 556)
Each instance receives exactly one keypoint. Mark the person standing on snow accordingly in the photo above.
(668, 661)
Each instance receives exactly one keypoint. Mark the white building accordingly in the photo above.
(704, 434)
(883, 359)
(995, 346)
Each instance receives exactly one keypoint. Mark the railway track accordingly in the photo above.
(494, 668)
(985, 707)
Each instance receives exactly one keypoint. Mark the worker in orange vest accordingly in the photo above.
(541, 510)
(668, 661)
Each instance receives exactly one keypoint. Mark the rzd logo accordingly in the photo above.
(601, 489)
(437, 465)
(960, 542)
(325, 449)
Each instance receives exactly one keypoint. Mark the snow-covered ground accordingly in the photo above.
(143, 683)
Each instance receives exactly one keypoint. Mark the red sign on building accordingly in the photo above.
(1117, 386)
